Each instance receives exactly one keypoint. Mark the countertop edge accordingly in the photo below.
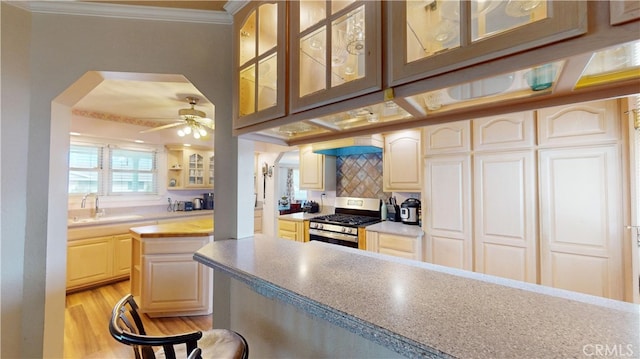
(376, 334)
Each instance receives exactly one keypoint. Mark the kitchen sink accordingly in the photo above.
(104, 219)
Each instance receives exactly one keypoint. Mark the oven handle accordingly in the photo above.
(334, 235)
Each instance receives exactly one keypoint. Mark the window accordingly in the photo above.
(132, 171)
(85, 165)
(111, 170)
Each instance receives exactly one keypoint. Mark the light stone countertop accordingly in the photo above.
(130, 217)
(423, 310)
(300, 216)
(397, 228)
(194, 228)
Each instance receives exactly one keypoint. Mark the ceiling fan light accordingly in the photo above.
(187, 130)
(196, 135)
(203, 132)
(181, 133)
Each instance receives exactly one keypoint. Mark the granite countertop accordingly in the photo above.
(424, 310)
(397, 228)
(195, 228)
(131, 218)
(300, 216)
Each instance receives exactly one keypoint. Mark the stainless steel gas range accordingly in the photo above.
(341, 228)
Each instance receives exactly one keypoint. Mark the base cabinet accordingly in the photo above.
(94, 261)
(165, 279)
(293, 230)
(395, 245)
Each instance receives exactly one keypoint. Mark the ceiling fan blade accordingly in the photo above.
(162, 127)
(207, 122)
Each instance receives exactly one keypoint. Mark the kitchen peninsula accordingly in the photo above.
(292, 299)
(164, 278)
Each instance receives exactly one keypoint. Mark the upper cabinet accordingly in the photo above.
(622, 11)
(317, 172)
(402, 161)
(335, 51)
(189, 167)
(432, 37)
(260, 51)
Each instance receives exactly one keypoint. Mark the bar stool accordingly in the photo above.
(126, 327)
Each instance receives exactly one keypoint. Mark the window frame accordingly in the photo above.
(106, 171)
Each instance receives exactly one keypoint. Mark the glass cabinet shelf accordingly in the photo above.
(617, 63)
(379, 113)
(524, 83)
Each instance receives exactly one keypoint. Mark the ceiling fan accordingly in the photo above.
(194, 122)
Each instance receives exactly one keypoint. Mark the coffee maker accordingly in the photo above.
(410, 211)
(207, 201)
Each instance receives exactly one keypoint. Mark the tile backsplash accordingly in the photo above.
(360, 176)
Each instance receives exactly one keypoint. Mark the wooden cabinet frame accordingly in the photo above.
(373, 61)
(566, 19)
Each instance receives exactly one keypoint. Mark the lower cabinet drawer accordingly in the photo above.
(397, 243)
(287, 226)
(287, 235)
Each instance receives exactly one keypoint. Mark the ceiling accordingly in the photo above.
(122, 107)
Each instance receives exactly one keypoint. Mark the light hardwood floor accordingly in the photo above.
(86, 327)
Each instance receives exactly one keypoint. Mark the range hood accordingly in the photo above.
(350, 146)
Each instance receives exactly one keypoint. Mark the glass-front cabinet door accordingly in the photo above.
(259, 30)
(195, 176)
(430, 37)
(334, 51)
(210, 169)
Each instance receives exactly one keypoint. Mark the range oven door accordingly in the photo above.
(342, 239)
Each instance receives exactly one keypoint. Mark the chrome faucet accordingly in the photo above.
(83, 204)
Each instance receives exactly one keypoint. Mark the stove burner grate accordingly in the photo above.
(346, 219)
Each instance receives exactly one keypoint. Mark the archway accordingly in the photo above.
(61, 118)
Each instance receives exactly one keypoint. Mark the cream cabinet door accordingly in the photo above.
(505, 132)
(122, 255)
(311, 169)
(89, 260)
(581, 220)
(583, 123)
(175, 284)
(401, 162)
(452, 137)
(447, 219)
(505, 215)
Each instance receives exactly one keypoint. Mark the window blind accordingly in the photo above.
(132, 171)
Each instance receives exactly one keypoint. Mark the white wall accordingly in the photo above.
(14, 148)
(42, 55)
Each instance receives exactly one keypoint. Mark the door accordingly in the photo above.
(448, 211)
(505, 215)
(581, 220)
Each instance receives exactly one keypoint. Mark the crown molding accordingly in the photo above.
(136, 12)
(233, 6)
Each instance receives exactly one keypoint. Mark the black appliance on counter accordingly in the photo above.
(311, 207)
(341, 228)
(393, 210)
(207, 201)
